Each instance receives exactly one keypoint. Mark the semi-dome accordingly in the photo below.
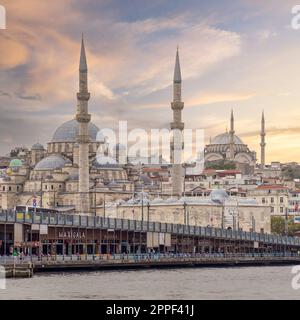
(37, 146)
(219, 195)
(15, 163)
(69, 130)
(224, 138)
(53, 162)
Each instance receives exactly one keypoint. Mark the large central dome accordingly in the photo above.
(69, 130)
(225, 139)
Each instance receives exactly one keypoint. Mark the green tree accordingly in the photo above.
(278, 225)
(221, 165)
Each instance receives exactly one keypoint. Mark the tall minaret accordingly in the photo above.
(83, 139)
(231, 134)
(177, 127)
(262, 142)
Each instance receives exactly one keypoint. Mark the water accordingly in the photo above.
(197, 283)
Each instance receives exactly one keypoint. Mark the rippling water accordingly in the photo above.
(198, 283)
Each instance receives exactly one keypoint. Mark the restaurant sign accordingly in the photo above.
(71, 235)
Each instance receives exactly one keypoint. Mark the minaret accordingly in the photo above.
(83, 118)
(231, 134)
(262, 142)
(177, 127)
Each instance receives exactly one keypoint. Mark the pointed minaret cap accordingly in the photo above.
(177, 71)
(232, 121)
(83, 63)
(263, 122)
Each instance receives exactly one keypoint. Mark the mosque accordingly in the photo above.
(76, 174)
(228, 147)
(76, 159)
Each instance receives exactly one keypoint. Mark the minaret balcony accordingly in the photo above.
(177, 105)
(177, 125)
(83, 118)
(83, 96)
(83, 139)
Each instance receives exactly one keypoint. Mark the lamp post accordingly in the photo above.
(253, 224)
(223, 208)
(42, 191)
(148, 213)
(104, 206)
(142, 206)
(184, 166)
(95, 196)
(286, 229)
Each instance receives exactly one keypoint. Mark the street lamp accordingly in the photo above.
(148, 213)
(42, 179)
(185, 213)
(286, 222)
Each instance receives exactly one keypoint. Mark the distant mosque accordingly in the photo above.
(229, 148)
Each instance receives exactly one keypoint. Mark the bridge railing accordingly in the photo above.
(84, 221)
(7, 260)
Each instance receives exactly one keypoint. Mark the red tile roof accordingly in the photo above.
(272, 187)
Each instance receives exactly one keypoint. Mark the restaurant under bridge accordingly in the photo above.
(45, 233)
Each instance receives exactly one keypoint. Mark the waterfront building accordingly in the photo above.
(218, 210)
(276, 196)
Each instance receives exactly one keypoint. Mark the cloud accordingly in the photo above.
(273, 132)
(5, 94)
(13, 53)
(239, 56)
(99, 89)
(36, 97)
(215, 97)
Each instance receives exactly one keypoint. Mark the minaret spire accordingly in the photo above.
(83, 118)
(83, 63)
(177, 70)
(262, 141)
(177, 127)
(231, 133)
(177, 79)
(232, 122)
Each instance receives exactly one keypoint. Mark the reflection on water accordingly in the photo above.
(196, 283)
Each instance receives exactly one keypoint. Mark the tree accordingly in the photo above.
(291, 172)
(278, 225)
(221, 165)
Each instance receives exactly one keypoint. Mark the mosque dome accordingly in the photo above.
(53, 162)
(104, 161)
(69, 130)
(224, 138)
(15, 163)
(37, 146)
(219, 195)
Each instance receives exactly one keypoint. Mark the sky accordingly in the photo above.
(235, 54)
